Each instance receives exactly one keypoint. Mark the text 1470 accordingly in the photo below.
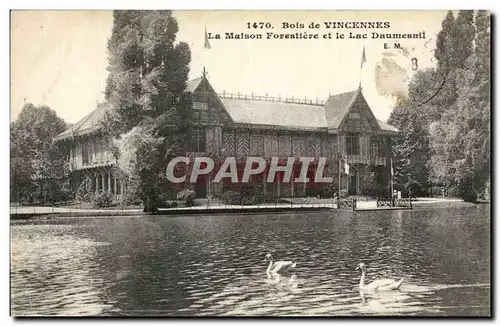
(259, 25)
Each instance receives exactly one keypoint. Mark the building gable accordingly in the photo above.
(337, 106)
(359, 117)
(203, 93)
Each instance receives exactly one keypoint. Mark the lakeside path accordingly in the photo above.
(31, 211)
(34, 211)
(52, 210)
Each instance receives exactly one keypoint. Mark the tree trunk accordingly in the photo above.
(466, 190)
(150, 200)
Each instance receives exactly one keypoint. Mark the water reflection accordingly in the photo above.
(392, 303)
(195, 265)
(51, 272)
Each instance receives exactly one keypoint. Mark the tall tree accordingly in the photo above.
(448, 139)
(148, 73)
(483, 47)
(411, 146)
(38, 167)
(443, 42)
(462, 39)
(454, 45)
(35, 127)
(460, 141)
(51, 175)
(483, 100)
(20, 172)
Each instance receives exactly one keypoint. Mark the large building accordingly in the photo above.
(343, 129)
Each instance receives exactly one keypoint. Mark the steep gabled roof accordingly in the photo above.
(292, 115)
(258, 112)
(387, 127)
(89, 124)
(193, 84)
(337, 106)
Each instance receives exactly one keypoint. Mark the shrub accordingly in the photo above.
(330, 190)
(187, 195)
(133, 201)
(240, 198)
(260, 198)
(321, 191)
(251, 189)
(487, 190)
(369, 191)
(248, 200)
(85, 191)
(163, 200)
(171, 204)
(343, 193)
(382, 191)
(267, 199)
(131, 191)
(313, 192)
(102, 199)
(231, 198)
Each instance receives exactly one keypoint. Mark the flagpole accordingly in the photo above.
(340, 174)
(205, 99)
(363, 60)
(207, 46)
(392, 180)
(347, 186)
(360, 76)
(340, 163)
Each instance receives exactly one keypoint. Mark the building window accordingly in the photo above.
(96, 151)
(93, 151)
(375, 148)
(355, 115)
(201, 106)
(198, 143)
(352, 144)
(85, 153)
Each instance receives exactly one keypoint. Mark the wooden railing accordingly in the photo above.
(385, 202)
(394, 202)
(365, 159)
(253, 97)
(358, 159)
(403, 202)
(99, 159)
(349, 204)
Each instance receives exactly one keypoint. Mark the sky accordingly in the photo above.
(59, 58)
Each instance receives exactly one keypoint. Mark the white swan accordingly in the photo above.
(377, 285)
(278, 266)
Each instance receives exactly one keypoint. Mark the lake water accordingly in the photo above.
(214, 265)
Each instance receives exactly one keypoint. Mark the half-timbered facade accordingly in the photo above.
(342, 129)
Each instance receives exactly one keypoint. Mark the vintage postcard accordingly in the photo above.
(250, 163)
